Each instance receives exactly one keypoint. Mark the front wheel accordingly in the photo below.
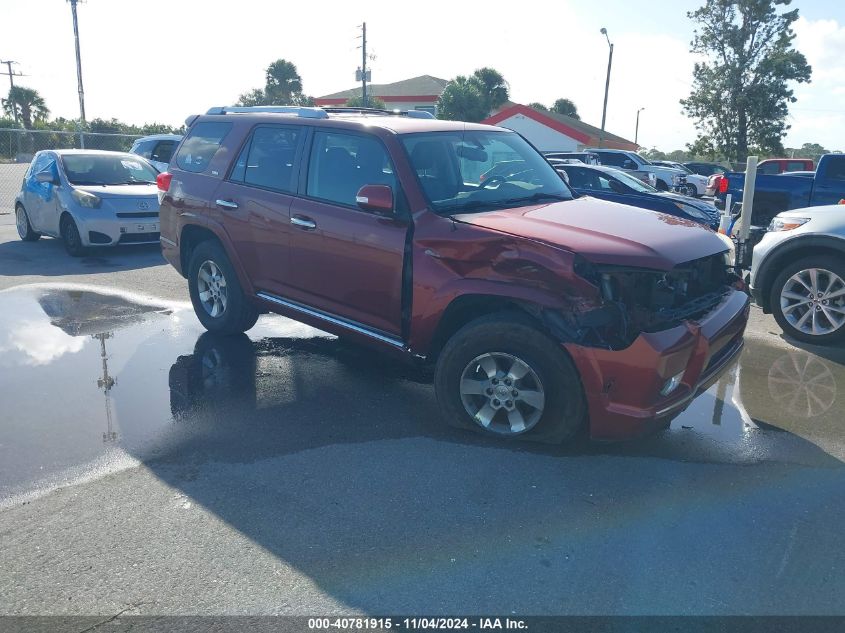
(808, 300)
(219, 301)
(502, 377)
(25, 231)
(70, 237)
(691, 190)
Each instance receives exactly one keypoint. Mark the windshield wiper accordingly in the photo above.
(536, 197)
(135, 182)
(476, 205)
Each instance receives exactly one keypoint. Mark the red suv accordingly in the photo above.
(543, 312)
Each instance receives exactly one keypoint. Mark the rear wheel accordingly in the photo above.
(216, 293)
(808, 299)
(502, 377)
(25, 231)
(70, 236)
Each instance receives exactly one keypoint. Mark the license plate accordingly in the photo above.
(143, 228)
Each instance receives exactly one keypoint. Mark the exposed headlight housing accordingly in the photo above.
(730, 254)
(787, 224)
(85, 199)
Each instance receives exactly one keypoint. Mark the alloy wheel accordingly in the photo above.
(21, 222)
(212, 289)
(502, 394)
(813, 301)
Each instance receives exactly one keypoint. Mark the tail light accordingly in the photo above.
(163, 182)
(723, 185)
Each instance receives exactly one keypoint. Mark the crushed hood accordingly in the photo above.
(605, 232)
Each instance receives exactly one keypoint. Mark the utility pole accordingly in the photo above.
(12, 75)
(606, 86)
(364, 65)
(78, 61)
(637, 128)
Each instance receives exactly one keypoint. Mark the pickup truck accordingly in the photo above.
(782, 192)
(662, 178)
(783, 165)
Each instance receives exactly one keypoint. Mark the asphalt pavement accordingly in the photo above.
(149, 468)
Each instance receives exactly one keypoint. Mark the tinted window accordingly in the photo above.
(612, 159)
(796, 165)
(203, 141)
(836, 168)
(163, 152)
(341, 164)
(267, 159)
(768, 168)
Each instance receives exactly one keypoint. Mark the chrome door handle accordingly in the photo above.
(226, 204)
(303, 223)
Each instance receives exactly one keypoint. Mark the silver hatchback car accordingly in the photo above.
(88, 198)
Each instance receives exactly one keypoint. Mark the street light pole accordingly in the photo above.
(637, 128)
(606, 86)
(78, 62)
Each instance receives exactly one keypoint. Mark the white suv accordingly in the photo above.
(798, 273)
(158, 148)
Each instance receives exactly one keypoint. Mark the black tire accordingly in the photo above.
(25, 231)
(564, 412)
(70, 237)
(833, 264)
(239, 314)
(661, 186)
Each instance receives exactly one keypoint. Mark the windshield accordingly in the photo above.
(107, 169)
(634, 183)
(479, 170)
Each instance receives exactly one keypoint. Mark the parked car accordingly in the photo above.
(780, 165)
(780, 192)
(88, 198)
(541, 312)
(705, 169)
(712, 187)
(588, 158)
(696, 183)
(615, 185)
(798, 273)
(158, 148)
(666, 178)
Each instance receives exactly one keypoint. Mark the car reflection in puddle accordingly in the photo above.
(92, 382)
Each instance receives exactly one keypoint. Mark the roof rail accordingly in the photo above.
(412, 114)
(304, 112)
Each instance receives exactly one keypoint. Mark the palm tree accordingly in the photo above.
(27, 103)
(463, 99)
(494, 86)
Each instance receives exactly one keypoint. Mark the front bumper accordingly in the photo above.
(622, 388)
(108, 229)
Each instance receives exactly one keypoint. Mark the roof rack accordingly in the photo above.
(300, 111)
(317, 113)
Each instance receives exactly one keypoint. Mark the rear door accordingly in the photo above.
(346, 261)
(254, 202)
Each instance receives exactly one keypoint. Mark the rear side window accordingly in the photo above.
(769, 168)
(836, 168)
(343, 163)
(202, 143)
(143, 148)
(267, 159)
(163, 152)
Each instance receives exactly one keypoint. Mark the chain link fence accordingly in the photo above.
(17, 147)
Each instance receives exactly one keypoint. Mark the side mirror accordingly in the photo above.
(46, 176)
(377, 198)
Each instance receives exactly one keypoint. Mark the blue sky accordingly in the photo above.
(162, 60)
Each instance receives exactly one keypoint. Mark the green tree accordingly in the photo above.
(28, 104)
(372, 102)
(538, 106)
(282, 86)
(493, 86)
(654, 154)
(566, 107)
(463, 99)
(740, 95)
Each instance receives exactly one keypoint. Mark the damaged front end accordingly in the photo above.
(638, 300)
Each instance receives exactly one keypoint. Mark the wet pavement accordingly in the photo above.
(94, 382)
(332, 461)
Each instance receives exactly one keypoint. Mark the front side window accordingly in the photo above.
(202, 143)
(267, 159)
(143, 148)
(107, 169)
(634, 183)
(341, 164)
(471, 170)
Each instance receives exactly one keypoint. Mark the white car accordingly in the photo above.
(88, 198)
(158, 148)
(696, 183)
